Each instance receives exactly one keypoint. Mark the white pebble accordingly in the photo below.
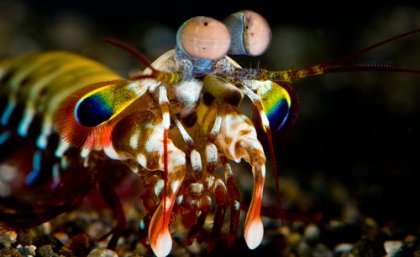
(392, 246)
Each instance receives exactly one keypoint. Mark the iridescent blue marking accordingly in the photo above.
(4, 137)
(35, 175)
(92, 111)
(278, 115)
(7, 113)
(142, 226)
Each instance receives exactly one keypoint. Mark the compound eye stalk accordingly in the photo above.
(251, 33)
(203, 38)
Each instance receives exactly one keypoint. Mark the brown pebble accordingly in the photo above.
(45, 251)
(7, 237)
(135, 255)
(24, 238)
(78, 245)
(102, 253)
(10, 253)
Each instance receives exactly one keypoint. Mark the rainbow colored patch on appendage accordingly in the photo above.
(276, 103)
(104, 103)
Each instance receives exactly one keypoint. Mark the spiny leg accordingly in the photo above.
(203, 188)
(219, 187)
(201, 205)
(234, 200)
(209, 182)
(198, 191)
(221, 202)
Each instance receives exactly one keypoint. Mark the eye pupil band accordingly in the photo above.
(251, 33)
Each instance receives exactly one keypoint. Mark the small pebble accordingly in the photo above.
(62, 237)
(102, 253)
(322, 251)
(26, 250)
(392, 246)
(312, 232)
(46, 251)
(32, 249)
(24, 238)
(294, 238)
(343, 248)
(10, 253)
(7, 237)
(410, 240)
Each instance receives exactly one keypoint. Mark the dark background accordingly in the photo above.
(356, 132)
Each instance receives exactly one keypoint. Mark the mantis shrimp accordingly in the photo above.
(179, 118)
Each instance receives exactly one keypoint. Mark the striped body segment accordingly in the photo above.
(33, 86)
(41, 175)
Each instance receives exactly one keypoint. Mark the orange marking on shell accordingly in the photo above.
(205, 38)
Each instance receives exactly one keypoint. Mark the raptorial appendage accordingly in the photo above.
(236, 140)
(222, 133)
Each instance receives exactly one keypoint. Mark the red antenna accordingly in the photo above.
(134, 52)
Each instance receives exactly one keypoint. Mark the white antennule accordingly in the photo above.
(204, 38)
(251, 33)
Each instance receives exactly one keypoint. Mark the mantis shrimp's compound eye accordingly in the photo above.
(251, 33)
(203, 38)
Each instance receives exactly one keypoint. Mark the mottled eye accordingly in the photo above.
(251, 33)
(203, 38)
(92, 111)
